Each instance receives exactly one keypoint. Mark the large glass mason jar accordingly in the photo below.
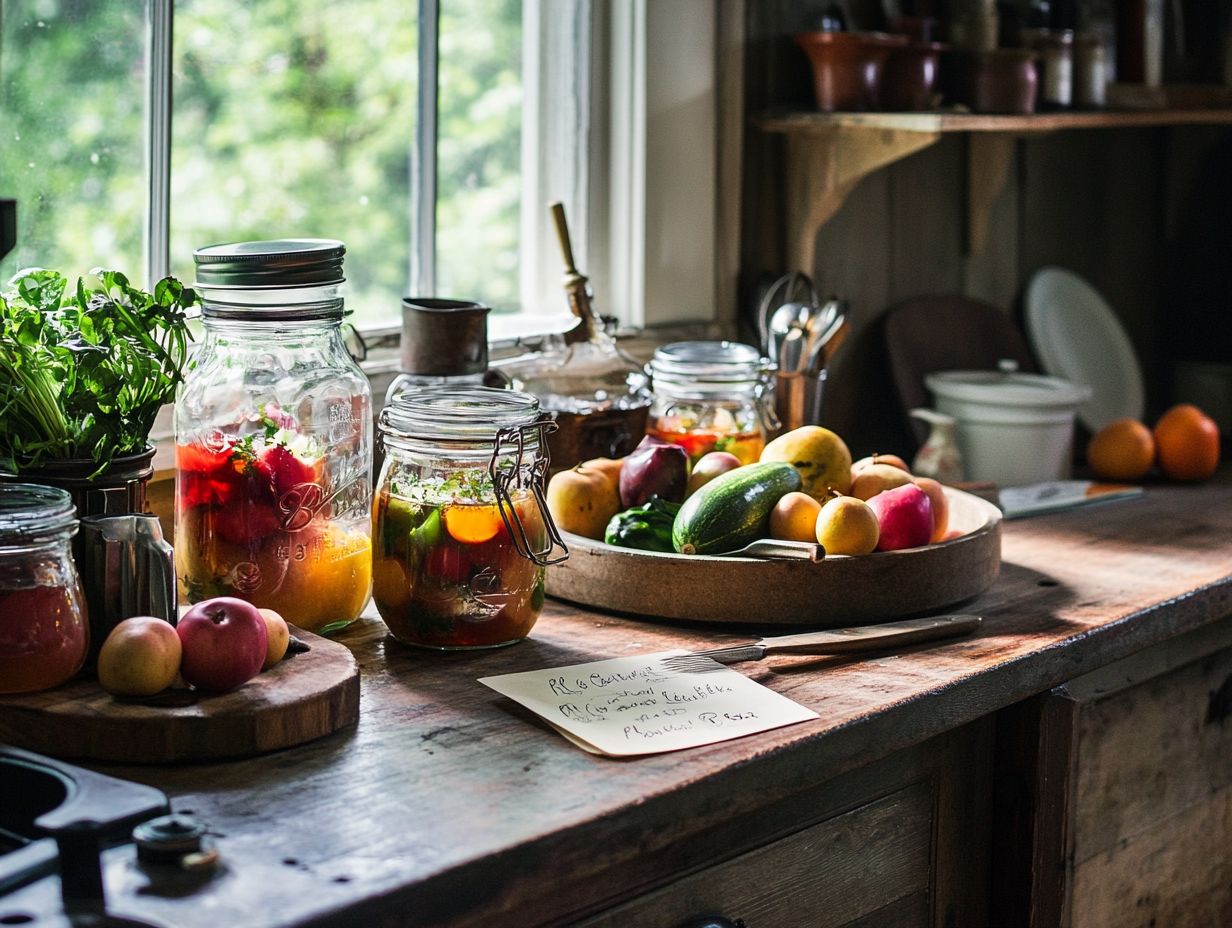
(274, 438)
(43, 630)
(712, 396)
(462, 529)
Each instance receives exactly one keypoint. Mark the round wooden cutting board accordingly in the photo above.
(833, 592)
(304, 697)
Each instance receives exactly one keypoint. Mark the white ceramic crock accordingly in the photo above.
(1013, 428)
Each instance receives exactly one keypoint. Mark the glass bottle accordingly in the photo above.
(44, 634)
(274, 438)
(712, 396)
(462, 529)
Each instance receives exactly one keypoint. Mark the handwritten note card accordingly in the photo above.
(633, 705)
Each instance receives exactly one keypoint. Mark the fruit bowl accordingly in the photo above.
(833, 592)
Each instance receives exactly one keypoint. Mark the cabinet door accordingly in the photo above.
(1152, 821)
(1114, 794)
(869, 866)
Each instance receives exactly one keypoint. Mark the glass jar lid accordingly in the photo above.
(718, 362)
(31, 512)
(287, 262)
(466, 415)
(283, 279)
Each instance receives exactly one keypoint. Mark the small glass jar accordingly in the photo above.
(274, 438)
(1056, 84)
(462, 529)
(712, 396)
(44, 634)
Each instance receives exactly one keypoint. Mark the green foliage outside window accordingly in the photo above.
(290, 118)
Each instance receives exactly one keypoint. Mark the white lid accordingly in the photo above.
(1001, 388)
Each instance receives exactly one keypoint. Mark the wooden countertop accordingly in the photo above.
(450, 805)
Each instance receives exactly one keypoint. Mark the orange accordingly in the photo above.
(472, 525)
(1121, 450)
(1187, 440)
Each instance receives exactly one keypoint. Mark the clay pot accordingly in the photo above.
(909, 80)
(836, 58)
(875, 50)
(1002, 81)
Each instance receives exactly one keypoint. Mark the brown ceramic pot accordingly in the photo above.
(875, 50)
(909, 80)
(836, 58)
(1002, 81)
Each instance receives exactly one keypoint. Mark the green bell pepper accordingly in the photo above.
(647, 527)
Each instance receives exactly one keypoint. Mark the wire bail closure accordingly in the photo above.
(504, 479)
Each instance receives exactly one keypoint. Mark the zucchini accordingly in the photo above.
(733, 508)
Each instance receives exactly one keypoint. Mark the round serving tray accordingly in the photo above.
(833, 592)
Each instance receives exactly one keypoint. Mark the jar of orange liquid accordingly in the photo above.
(462, 533)
(712, 396)
(274, 438)
(44, 634)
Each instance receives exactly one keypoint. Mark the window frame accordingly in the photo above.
(617, 94)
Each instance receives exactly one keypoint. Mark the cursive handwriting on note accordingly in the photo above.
(628, 706)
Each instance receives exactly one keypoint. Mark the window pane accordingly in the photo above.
(479, 157)
(297, 118)
(72, 99)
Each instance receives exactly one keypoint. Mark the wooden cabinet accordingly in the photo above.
(902, 842)
(1126, 815)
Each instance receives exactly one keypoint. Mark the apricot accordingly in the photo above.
(877, 458)
(709, 466)
(141, 657)
(794, 517)
(277, 637)
(846, 525)
(877, 478)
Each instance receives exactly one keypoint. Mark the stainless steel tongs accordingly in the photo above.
(832, 641)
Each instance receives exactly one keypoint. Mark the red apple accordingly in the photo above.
(905, 515)
(225, 642)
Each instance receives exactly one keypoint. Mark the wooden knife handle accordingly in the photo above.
(872, 637)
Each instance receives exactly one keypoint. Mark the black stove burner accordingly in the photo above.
(57, 816)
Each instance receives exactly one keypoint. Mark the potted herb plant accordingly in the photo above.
(83, 373)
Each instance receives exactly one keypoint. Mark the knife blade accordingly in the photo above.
(831, 641)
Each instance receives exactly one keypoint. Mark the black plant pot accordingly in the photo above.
(118, 490)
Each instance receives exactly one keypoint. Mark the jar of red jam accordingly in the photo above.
(274, 438)
(44, 634)
(462, 534)
(712, 396)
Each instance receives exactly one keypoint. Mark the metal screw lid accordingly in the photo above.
(291, 262)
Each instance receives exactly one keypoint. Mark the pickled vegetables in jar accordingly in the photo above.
(462, 536)
(712, 396)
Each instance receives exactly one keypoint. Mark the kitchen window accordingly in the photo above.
(138, 130)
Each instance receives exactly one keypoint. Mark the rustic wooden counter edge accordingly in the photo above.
(448, 806)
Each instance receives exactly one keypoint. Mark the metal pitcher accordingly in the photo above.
(127, 569)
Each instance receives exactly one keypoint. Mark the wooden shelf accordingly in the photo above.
(828, 154)
(942, 122)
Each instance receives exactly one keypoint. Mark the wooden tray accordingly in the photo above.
(834, 592)
(304, 697)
